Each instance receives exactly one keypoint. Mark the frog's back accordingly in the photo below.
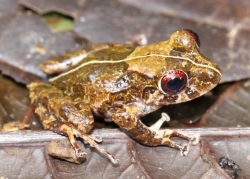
(96, 69)
(117, 53)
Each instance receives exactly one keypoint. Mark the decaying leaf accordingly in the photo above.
(26, 41)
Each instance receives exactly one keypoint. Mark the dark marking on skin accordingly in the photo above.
(170, 98)
(192, 95)
(178, 52)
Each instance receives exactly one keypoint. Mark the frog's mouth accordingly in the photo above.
(198, 84)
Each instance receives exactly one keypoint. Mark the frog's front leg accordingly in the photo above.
(65, 116)
(151, 136)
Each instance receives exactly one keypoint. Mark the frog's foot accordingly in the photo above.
(92, 143)
(14, 126)
(167, 134)
(195, 139)
(90, 140)
(97, 139)
(69, 132)
(185, 150)
(156, 126)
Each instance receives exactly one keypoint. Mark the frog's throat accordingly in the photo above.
(132, 58)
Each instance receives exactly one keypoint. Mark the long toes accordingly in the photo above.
(195, 139)
(184, 150)
(80, 153)
(97, 139)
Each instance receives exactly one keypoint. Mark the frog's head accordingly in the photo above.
(187, 74)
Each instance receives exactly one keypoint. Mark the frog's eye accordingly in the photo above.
(174, 81)
(195, 36)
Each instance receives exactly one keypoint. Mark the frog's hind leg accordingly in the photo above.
(92, 143)
(64, 116)
(87, 138)
(73, 132)
(66, 130)
(49, 122)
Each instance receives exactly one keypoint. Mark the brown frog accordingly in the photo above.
(123, 83)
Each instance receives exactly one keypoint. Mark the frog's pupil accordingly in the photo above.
(174, 81)
(175, 84)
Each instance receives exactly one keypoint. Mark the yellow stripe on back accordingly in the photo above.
(128, 59)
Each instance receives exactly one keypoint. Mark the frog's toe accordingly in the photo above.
(80, 153)
(156, 126)
(195, 139)
(97, 139)
(114, 161)
(89, 139)
(184, 150)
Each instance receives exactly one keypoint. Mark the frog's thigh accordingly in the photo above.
(58, 112)
(51, 123)
(63, 108)
(64, 62)
(63, 115)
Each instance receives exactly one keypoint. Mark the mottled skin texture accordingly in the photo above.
(121, 83)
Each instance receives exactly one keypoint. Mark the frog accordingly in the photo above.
(122, 83)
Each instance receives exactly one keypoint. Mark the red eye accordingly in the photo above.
(174, 81)
(195, 36)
